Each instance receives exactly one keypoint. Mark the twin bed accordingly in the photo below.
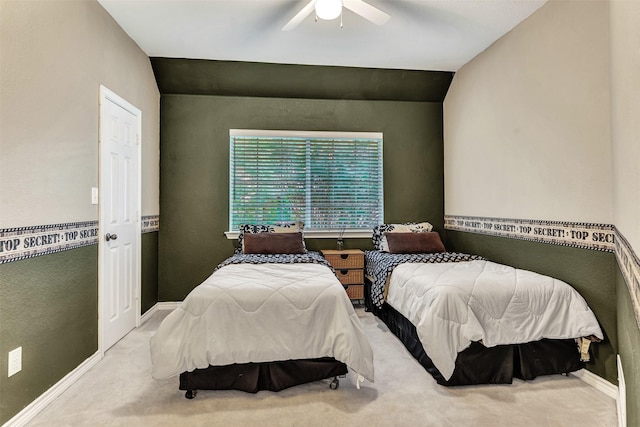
(268, 318)
(274, 315)
(471, 321)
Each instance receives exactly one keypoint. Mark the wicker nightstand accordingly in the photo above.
(349, 266)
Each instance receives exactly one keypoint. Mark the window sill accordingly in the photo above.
(319, 234)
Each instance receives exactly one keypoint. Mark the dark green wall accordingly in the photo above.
(194, 169)
(259, 79)
(149, 271)
(592, 273)
(49, 306)
(629, 349)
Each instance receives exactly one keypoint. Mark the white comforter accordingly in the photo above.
(258, 313)
(453, 304)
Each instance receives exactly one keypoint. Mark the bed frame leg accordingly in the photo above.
(334, 384)
(190, 394)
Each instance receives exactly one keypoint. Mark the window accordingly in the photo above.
(331, 181)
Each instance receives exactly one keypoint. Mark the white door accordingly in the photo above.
(119, 245)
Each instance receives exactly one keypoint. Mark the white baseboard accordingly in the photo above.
(597, 382)
(171, 305)
(622, 395)
(168, 305)
(34, 408)
(29, 412)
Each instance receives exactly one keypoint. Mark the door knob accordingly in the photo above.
(111, 237)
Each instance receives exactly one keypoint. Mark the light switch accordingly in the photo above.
(94, 195)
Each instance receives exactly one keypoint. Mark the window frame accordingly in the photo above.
(317, 233)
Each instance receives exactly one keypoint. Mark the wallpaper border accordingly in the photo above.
(27, 242)
(599, 237)
(630, 267)
(150, 223)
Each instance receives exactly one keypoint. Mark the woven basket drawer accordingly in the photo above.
(355, 291)
(346, 260)
(350, 277)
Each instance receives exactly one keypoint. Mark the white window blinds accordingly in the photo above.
(331, 181)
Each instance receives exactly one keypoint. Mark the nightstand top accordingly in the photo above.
(344, 251)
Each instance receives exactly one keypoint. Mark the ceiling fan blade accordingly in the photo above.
(296, 20)
(367, 11)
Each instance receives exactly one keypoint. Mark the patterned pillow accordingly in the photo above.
(282, 227)
(380, 242)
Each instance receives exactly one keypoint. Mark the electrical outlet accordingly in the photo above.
(15, 361)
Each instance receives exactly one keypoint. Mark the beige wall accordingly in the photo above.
(54, 55)
(526, 122)
(625, 131)
(625, 117)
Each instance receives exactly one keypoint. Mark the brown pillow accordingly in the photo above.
(273, 243)
(413, 243)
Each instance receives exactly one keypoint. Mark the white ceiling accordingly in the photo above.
(437, 35)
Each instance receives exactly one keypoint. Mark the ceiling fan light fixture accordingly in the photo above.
(328, 9)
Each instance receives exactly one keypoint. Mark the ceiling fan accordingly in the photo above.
(331, 9)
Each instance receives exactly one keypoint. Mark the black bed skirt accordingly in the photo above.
(253, 377)
(486, 365)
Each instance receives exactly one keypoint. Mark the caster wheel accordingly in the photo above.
(334, 384)
(190, 394)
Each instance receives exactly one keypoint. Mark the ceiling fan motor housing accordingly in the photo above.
(328, 9)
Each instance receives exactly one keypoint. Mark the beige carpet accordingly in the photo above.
(119, 391)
